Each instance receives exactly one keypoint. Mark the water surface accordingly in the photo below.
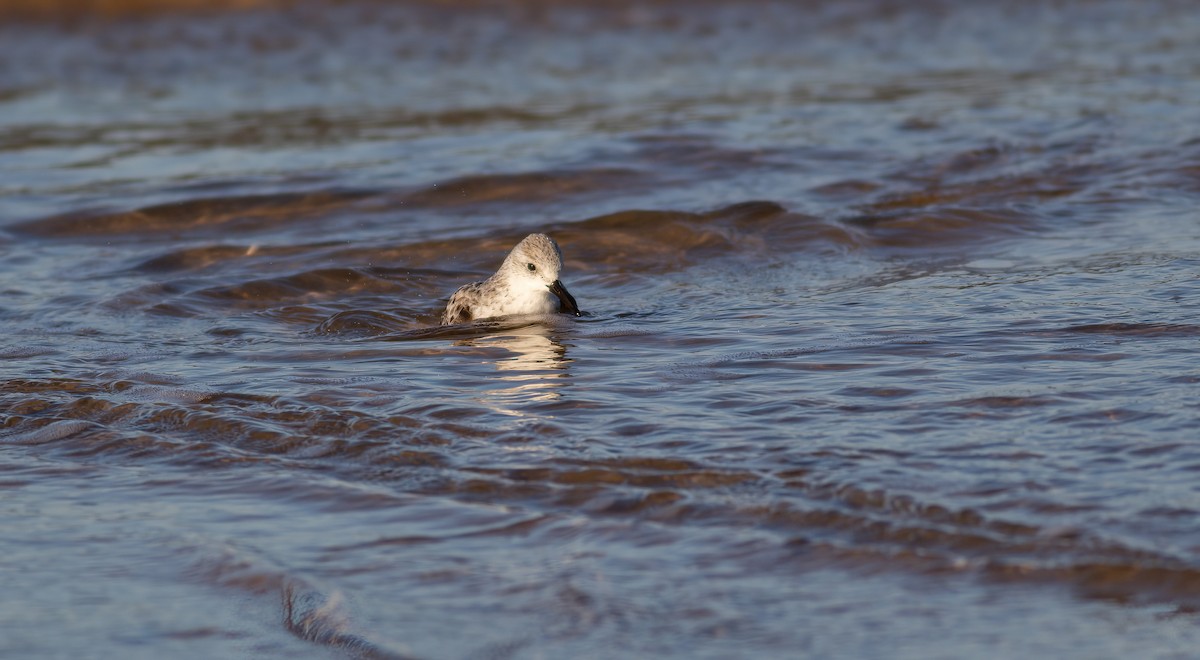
(890, 346)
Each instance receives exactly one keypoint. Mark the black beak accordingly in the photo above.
(566, 302)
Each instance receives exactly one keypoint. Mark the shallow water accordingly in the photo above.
(890, 345)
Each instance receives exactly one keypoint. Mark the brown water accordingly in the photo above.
(892, 344)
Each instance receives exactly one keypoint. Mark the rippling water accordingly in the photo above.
(890, 345)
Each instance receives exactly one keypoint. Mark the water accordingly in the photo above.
(890, 346)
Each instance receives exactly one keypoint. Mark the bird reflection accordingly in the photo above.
(534, 371)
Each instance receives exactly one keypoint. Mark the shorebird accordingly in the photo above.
(526, 283)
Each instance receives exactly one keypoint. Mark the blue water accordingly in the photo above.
(890, 344)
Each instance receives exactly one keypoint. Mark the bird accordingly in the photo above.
(526, 283)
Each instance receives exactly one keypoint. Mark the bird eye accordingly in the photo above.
(531, 267)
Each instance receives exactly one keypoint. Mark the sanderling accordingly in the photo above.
(527, 283)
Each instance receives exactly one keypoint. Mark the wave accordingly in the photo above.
(818, 519)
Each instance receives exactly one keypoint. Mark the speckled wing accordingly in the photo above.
(458, 310)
